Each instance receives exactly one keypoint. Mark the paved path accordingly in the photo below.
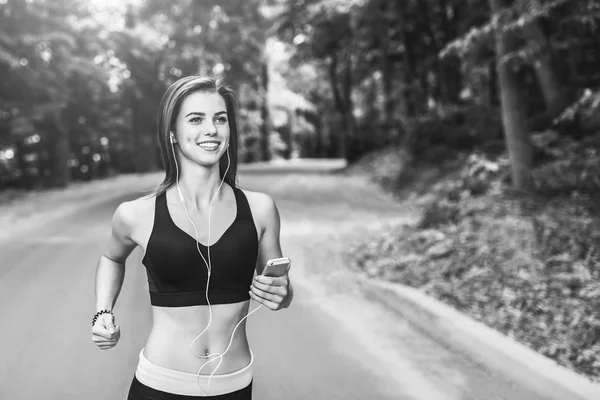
(331, 344)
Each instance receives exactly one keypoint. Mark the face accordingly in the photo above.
(202, 128)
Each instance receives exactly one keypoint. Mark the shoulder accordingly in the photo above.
(261, 202)
(263, 207)
(129, 213)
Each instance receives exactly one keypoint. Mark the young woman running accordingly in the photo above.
(202, 238)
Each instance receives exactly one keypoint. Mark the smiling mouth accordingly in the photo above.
(209, 145)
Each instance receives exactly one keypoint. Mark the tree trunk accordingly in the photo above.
(550, 84)
(450, 75)
(60, 151)
(319, 145)
(266, 127)
(288, 132)
(137, 148)
(406, 88)
(514, 118)
(492, 84)
(315, 120)
(144, 138)
(356, 141)
(409, 138)
(339, 105)
(387, 72)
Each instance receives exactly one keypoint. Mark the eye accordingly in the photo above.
(196, 120)
(222, 120)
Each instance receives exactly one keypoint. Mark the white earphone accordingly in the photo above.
(219, 356)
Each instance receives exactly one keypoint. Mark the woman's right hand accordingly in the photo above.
(105, 333)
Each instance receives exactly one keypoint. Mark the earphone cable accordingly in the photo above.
(219, 356)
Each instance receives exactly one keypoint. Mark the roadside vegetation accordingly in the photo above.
(526, 264)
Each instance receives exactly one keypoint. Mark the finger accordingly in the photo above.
(272, 294)
(106, 346)
(267, 303)
(280, 290)
(270, 300)
(101, 332)
(105, 337)
(106, 343)
(98, 340)
(275, 297)
(270, 280)
(267, 280)
(108, 320)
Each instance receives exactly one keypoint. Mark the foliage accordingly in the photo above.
(383, 166)
(569, 162)
(584, 111)
(93, 74)
(400, 66)
(526, 266)
(521, 13)
(414, 74)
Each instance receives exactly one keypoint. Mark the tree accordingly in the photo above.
(40, 52)
(514, 118)
(225, 39)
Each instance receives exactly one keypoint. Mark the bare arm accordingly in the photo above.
(110, 272)
(275, 293)
(269, 246)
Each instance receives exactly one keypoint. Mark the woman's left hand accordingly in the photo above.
(272, 292)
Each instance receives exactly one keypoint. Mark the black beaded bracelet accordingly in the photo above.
(99, 313)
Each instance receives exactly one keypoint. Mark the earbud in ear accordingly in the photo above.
(172, 137)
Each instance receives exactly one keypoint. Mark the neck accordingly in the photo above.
(199, 184)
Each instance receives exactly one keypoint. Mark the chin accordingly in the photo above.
(208, 161)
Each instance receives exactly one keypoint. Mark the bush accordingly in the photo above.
(384, 166)
(528, 267)
(479, 176)
(462, 129)
(570, 166)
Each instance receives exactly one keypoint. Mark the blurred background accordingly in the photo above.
(81, 79)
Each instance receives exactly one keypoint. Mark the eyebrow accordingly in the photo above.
(204, 115)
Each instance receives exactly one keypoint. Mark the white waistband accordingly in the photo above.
(185, 383)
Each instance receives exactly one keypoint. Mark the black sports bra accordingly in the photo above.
(177, 274)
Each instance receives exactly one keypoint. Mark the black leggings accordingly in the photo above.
(139, 391)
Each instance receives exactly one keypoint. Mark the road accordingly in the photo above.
(331, 344)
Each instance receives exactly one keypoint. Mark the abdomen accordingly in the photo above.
(174, 329)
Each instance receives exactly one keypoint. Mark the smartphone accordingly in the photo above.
(277, 267)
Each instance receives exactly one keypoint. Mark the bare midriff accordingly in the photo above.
(175, 328)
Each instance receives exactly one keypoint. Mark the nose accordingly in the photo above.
(211, 129)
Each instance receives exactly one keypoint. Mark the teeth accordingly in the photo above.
(209, 145)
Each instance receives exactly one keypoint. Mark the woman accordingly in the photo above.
(195, 331)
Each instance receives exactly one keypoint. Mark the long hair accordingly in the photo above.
(168, 111)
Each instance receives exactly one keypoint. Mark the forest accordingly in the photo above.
(491, 108)
(81, 79)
